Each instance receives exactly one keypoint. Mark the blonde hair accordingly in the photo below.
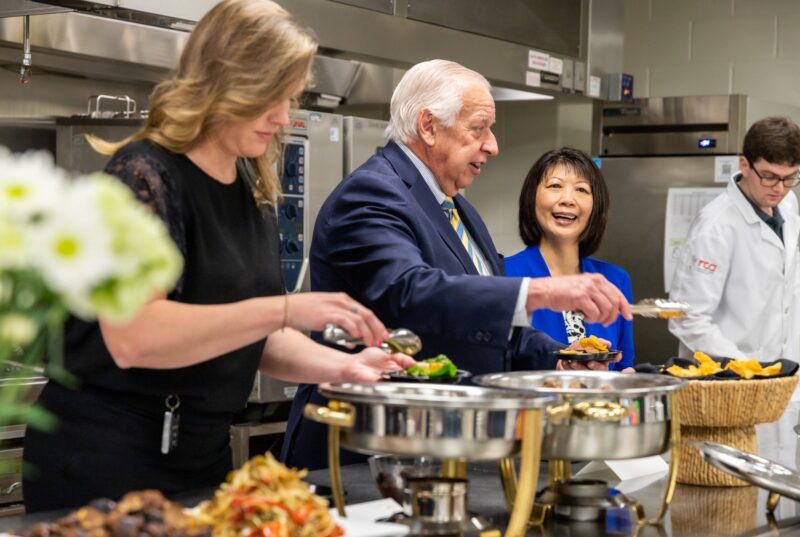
(435, 85)
(243, 57)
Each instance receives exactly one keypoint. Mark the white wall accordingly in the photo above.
(708, 47)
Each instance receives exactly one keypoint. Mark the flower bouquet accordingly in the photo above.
(80, 245)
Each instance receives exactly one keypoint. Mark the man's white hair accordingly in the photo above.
(436, 85)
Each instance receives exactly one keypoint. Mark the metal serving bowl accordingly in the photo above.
(598, 415)
(440, 420)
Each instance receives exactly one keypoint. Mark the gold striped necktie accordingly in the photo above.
(449, 209)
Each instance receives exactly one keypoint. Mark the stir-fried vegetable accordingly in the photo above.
(439, 367)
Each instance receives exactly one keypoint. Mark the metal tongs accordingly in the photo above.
(400, 340)
(660, 308)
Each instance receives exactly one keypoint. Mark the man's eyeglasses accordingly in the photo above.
(769, 179)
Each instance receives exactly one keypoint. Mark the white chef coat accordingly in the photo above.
(741, 281)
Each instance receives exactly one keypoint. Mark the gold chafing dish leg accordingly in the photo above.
(772, 501)
(336, 415)
(454, 468)
(529, 473)
(508, 477)
(672, 476)
(559, 470)
(335, 469)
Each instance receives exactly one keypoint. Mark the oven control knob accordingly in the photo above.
(291, 169)
(290, 211)
(291, 246)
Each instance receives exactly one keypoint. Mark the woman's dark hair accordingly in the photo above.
(582, 165)
(774, 139)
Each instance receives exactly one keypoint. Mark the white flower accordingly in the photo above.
(14, 248)
(72, 247)
(93, 244)
(30, 185)
(17, 329)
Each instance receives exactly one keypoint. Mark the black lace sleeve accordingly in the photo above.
(150, 182)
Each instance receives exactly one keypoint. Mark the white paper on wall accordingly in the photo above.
(725, 167)
(683, 204)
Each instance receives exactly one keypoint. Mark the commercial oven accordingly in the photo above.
(664, 159)
(363, 137)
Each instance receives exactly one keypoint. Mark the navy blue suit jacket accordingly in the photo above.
(382, 238)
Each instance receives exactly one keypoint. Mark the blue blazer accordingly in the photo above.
(382, 238)
(529, 262)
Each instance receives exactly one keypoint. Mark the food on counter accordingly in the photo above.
(744, 367)
(264, 498)
(437, 367)
(138, 514)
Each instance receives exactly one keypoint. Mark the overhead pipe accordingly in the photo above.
(25, 71)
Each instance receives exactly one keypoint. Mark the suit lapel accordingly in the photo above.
(419, 189)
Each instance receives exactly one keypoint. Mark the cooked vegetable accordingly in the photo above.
(438, 367)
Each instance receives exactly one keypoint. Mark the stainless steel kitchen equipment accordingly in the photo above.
(456, 423)
(598, 415)
(12, 435)
(20, 135)
(646, 147)
(312, 164)
(362, 138)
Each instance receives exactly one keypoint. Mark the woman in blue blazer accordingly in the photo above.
(563, 208)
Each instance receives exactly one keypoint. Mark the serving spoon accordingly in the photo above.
(660, 308)
(399, 340)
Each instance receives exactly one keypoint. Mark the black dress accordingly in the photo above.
(108, 439)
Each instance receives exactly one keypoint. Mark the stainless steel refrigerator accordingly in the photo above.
(647, 147)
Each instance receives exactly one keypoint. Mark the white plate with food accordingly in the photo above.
(363, 528)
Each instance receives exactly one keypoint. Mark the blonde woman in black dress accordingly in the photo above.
(204, 161)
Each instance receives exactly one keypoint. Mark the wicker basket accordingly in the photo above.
(725, 411)
(722, 513)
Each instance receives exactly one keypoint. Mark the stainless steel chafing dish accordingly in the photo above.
(446, 421)
(451, 422)
(598, 415)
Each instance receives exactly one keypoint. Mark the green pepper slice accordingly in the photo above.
(437, 367)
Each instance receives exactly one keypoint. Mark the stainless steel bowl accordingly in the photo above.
(598, 415)
(443, 421)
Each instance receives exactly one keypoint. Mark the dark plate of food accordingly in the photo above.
(437, 370)
(586, 356)
(404, 376)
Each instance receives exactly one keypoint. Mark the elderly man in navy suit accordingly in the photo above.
(397, 236)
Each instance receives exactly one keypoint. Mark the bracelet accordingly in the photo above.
(285, 311)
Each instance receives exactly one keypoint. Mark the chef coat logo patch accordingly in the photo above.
(705, 266)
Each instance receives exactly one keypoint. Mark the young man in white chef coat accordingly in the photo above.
(739, 268)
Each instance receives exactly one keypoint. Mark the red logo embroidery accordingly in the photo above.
(707, 266)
